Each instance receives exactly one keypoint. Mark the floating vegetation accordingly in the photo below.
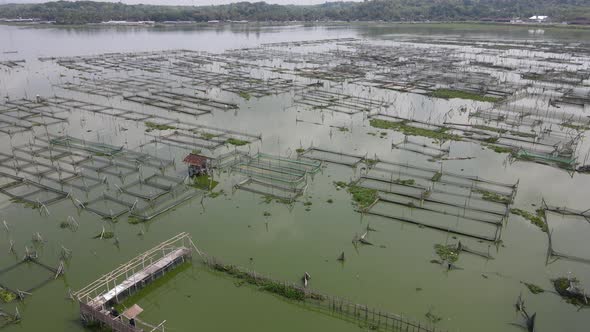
(300, 150)
(244, 95)
(340, 184)
(236, 142)
(364, 197)
(204, 182)
(133, 220)
(499, 149)
(488, 128)
(436, 177)
(64, 225)
(408, 182)
(493, 197)
(25, 203)
(450, 94)
(269, 199)
(575, 126)
(449, 253)
(330, 201)
(216, 193)
(537, 219)
(371, 162)
(265, 284)
(307, 203)
(208, 136)
(266, 214)
(343, 129)
(402, 126)
(534, 288)
(570, 290)
(6, 296)
(154, 126)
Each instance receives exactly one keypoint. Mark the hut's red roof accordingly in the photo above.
(195, 160)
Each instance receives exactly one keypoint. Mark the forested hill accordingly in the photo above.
(65, 12)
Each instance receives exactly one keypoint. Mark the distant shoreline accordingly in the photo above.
(45, 24)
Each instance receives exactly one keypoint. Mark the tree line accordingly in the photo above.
(80, 12)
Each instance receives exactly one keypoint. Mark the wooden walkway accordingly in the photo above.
(96, 298)
(141, 277)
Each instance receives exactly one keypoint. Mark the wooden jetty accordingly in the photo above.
(98, 297)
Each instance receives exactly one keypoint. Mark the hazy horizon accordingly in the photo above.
(191, 2)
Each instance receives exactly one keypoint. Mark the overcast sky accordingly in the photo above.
(192, 2)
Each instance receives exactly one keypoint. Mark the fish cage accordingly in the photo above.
(274, 168)
(565, 228)
(333, 157)
(180, 102)
(455, 203)
(153, 207)
(100, 149)
(101, 165)
(239, 83)
(26, 276)
(275, 176)
(117, 86)
(23, 115)
(101, 157)
(62, 175)
(108, 206)
(425, 149)
(27, 191)
(324, 100)
(229, 159)
(12, 64)
(205, 137)
(152, 187)
(8, 318)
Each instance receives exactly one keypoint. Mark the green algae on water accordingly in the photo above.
(537, 219)
(450, 94)
(6, 296)
(402, 126)
(493, 197)
(534, 288)
(236, 142)
(363, 197)
(447, 253)
(155, 126)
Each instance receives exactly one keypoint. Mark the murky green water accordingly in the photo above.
(394, 275)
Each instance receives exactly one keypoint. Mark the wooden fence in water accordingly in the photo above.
(372, 318)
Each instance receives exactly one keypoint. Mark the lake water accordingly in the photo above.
(284, 241)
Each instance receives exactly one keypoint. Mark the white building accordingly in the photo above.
(538, 18)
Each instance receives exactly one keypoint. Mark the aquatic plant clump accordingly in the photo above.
(284, 290)
(493, 197)
(537, 219)
(6, 296)
(570, 291)
(204, 182)
(245, 95)
(499, 149)
(402, 126)
(236, 142)
(534, 288)
(363, 197)
(448, 253)
(154, 126)
(450, 94)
